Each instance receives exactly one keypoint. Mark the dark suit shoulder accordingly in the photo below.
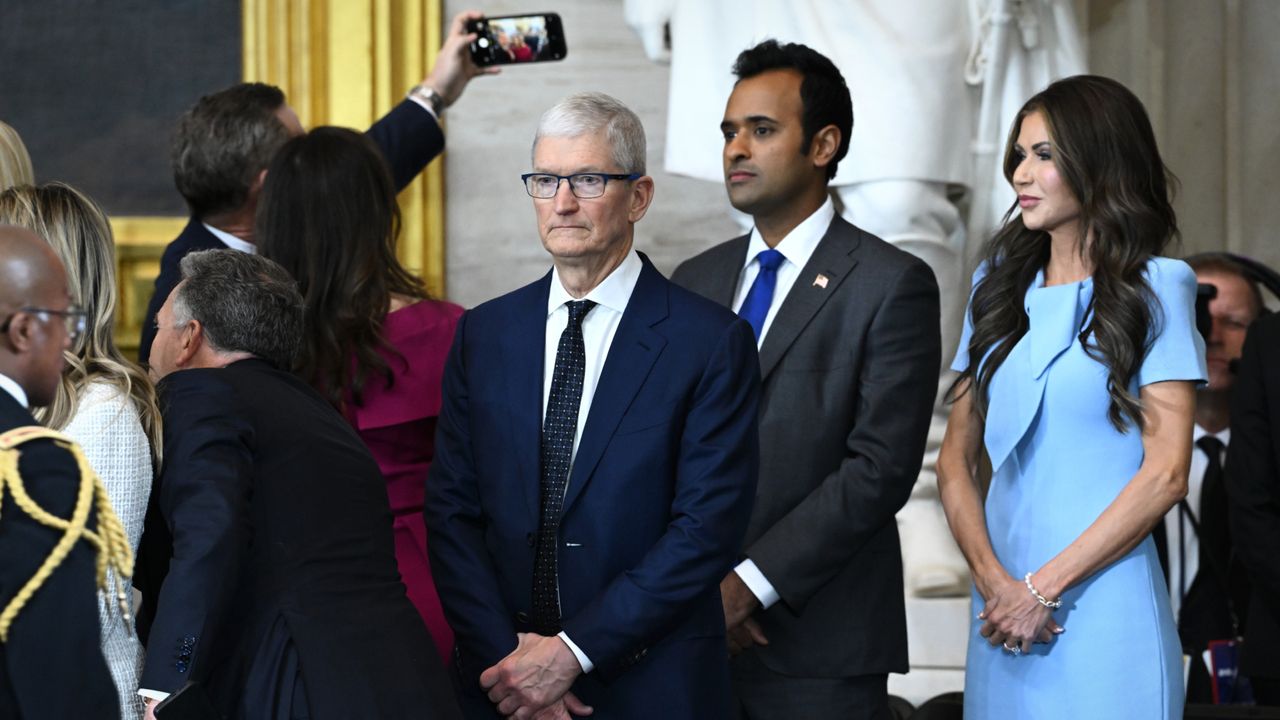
(1266, 329)
(728, 253)
(872, 248)
(506, 308)
(195, 236)
(212, 382)
(688, 307)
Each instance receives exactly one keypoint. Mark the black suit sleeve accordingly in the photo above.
(204, 492)
(896, 388)
(409, 138)
(1253, 463)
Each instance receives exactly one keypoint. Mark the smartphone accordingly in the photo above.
(517, 39)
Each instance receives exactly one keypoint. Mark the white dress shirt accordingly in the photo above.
(796, 248)
(231, 241)
(598, 328)
(1184, 565)
(10, 386)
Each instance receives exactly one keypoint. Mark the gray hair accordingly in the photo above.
(246, 303)
(586, 113)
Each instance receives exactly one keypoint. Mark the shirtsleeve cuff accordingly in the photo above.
(757, 583)
(423, 104)
(152, 694)
(583, 660)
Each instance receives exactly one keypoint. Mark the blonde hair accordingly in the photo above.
(78, 231)
(15, 163)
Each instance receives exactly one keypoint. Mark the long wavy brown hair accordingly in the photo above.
(1105, 151)
(328, 214)
(78, 231)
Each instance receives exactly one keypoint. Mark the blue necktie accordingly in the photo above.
(558, 431)
(756, 307)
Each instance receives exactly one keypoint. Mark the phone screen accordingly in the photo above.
(518, 39)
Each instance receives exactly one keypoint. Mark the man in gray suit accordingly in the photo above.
(849, 351)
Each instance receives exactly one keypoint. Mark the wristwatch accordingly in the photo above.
(428, 95)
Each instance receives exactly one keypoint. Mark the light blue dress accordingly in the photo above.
(1058, 463)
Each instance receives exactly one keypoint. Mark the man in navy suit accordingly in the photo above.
(596, 458)
(223, 144)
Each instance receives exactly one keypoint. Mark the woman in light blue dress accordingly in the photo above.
(1078, 365)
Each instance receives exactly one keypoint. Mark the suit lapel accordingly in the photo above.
(523, 356)
(818, 281)
(632, 354)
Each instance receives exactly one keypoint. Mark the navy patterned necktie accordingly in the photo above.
(755, 307)
(558, 431)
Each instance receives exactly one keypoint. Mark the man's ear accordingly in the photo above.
(825, 145)
(19, 335)
(255, 189)
(641, 198)
(190, 342)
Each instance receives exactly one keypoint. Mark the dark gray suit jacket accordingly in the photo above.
(850, 373)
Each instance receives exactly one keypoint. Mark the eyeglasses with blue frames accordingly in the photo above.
(75, 318)
(583, 185)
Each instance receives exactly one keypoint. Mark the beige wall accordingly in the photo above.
(1207, 70)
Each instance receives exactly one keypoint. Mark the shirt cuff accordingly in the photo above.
(425, 106)
(583, 660)
(757, 583)
(152, 694)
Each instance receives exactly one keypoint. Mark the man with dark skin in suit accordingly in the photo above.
(53, 643)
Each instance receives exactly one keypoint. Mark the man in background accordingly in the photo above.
(1206, 586)
(272, 580)
(224, 143)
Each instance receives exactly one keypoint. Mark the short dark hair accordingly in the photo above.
(245, 302)
(223, 142)
(822, 91)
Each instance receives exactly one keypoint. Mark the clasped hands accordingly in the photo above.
(532, 683)
(1014, 618)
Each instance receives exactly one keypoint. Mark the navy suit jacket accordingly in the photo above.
(409, 138)
(656, 507)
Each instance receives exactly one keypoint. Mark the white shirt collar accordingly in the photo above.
(230, 240)
(798, 245)
(613, 292)
(13, 388)
(1198, 432)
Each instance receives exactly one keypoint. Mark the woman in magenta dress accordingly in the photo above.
(375, 344)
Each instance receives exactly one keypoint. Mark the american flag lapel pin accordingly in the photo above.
(820, 281)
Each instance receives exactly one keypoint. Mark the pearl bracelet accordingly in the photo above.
(1051, 604)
